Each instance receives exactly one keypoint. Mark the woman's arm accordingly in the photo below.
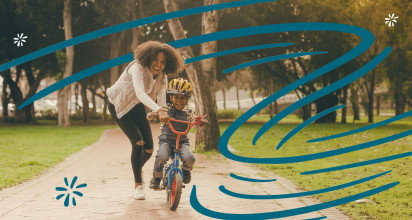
(138, 84)
(161, 97)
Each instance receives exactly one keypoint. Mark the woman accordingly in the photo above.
(142, 82)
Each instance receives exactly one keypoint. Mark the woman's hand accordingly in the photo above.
(204, 123)
(163, 116)
(154, 115)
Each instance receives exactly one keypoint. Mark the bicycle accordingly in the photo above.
(172, 171)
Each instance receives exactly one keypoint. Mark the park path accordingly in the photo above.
(105, 167)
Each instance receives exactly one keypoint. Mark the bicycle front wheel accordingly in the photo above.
(175, 192)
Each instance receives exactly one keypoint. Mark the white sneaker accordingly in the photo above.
(139, 193)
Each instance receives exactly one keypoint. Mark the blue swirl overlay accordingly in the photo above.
(367, 40)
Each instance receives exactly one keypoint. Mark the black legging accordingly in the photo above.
(137, 128)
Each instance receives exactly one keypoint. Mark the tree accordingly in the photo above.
(398, 63)
(16, 16)
(202, 75)
(64, 94)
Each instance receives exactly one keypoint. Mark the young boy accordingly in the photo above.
(180, 91)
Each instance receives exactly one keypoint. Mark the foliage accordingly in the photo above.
(229, 114)
(93, 116)
(48, 114)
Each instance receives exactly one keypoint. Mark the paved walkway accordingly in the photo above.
(105, 167)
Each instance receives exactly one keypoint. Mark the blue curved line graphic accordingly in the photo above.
(109, 64)
(367, 37)
(332, 87)
(325, 154)
(284, 213)
(224, 139)
(363, 45)
(359, 164)
(365, 128)
(367, 40)
(270, 59)
(237, 50)
(306, 123)
(249, 179)
(308, 193)
(125, 26)
(76, 77)
(318, 218)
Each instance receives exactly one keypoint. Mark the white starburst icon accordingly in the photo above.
(391, 19)
(20, 39)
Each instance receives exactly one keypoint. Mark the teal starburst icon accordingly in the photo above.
(70, 190)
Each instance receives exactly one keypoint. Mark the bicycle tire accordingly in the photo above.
(175, 193)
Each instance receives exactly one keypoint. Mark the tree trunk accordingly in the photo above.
(76, 98)
(306, 111)
(34, 85)
(328, 101)
(344, 100)
(202, 77)
(237, 94)
(104, 115)
(269, 93)
(354, 98)
(371, 92)
(115, 49)
(5, 99)
(224, 97)
(378, 105)
(398, 97)
(64, 94)
(252, 95)
(94, 109)
(136, 31)
(276, 107)
(16, 94)
(85, 112)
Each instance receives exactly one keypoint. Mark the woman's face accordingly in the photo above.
(158, 64)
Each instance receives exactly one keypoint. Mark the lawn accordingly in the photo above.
(391, 204)
(28, 150)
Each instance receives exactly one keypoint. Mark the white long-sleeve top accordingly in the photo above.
(136, 85)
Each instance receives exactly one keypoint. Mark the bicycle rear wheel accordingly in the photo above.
(174, 194)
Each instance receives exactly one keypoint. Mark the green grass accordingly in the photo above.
(27, 150)
(390, 204)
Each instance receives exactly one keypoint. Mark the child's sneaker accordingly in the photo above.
(187, 176)
(154, 183)
(139, 193)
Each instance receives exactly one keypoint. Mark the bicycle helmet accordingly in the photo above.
(180, 86)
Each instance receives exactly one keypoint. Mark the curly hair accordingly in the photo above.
(146, 52)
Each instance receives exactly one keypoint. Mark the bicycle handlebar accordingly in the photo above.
(197, 121)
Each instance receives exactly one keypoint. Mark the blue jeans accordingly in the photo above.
(166, 150)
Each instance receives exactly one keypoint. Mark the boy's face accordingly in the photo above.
(179, 101)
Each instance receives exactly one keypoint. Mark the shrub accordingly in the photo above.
(48, 114)
(229, 114)
(93, 116)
